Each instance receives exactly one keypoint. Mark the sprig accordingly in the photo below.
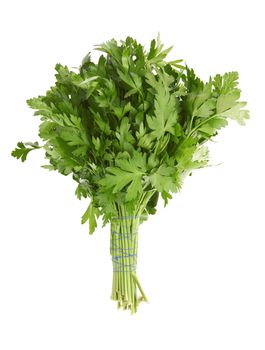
(22, 150)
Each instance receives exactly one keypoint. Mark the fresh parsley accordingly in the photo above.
(128, 129)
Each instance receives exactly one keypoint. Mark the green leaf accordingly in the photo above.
(165, 111)
(91, 215)
(156, 55)
(230, 82)
(124, 135)
(134, 188)
(128, 171)
(212, 125)
(121, 111)
(206, 109)
(131, 79)
(184, 154)
(203, 96)
(145, 140)
(166, 196)
(227, 101)
(237, 113)
(161, 56)
(21, 151)
(102, 123)
(200, 157)
(37, 103)
(130, 93)
(162, 180)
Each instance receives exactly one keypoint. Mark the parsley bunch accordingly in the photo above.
(128, 129)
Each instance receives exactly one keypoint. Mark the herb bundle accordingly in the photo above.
(128, 129)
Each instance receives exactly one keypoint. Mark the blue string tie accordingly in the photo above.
(124, 260)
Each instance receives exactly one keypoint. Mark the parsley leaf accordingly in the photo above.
(91, 215)
(23, 150)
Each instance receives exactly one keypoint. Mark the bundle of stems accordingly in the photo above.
(124, 250)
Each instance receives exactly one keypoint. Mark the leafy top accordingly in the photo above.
(131, 126)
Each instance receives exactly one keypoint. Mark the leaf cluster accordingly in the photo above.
(131, 124)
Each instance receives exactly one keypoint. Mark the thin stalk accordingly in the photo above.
(122, 257)
(139, 286)
(123, 252)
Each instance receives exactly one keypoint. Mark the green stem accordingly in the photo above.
(203, 122)
(139, 286)
(124, 248)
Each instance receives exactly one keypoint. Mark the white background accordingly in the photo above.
(201, 258)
